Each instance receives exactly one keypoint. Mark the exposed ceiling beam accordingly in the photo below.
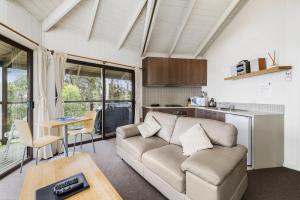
(234, 7)
(92, 19)
(151, 26)
(18, 53)
(59, 13)
(183, 24)
(149, 14)
(132, 21)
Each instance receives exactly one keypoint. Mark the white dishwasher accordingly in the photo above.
(244, 127)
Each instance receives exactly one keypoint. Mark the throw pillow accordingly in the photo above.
(149, 128)
(194, 139)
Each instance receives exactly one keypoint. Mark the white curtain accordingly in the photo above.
(59, 60)
(41, 103)
(138, 94)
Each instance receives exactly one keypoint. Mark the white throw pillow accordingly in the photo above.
(194, 139)
(149, 128)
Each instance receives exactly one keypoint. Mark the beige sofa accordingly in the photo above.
(213, 174)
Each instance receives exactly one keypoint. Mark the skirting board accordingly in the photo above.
(291, 166)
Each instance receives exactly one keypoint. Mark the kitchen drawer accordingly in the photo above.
(208, 114)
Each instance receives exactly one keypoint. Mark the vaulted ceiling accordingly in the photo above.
(150, 27)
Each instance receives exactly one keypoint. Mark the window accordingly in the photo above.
(15, 96)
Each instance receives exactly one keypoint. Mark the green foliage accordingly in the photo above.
(119, 89)
(72, 93)
(17, 92)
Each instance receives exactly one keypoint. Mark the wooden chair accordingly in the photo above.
(88, 128)
(26, 139)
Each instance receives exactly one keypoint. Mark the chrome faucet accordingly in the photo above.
(231, 107)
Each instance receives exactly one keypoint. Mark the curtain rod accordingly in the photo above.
(20, 34)
(37, 44)
(98, 60)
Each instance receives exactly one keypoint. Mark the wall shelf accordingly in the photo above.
(261, 72)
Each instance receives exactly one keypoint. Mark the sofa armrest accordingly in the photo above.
(127, 131)
(214, 165)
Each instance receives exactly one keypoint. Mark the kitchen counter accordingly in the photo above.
(226, 111)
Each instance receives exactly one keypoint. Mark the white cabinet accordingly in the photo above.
(244, 127)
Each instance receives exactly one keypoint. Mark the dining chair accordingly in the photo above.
(88, 128)
(26, 139)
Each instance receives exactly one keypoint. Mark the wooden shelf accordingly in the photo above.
(261, 72)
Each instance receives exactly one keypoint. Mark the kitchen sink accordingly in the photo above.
(228, 109)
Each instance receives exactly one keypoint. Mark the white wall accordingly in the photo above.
(73, 42)
(260, 27)
(16, 17)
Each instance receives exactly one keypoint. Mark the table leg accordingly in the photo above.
(66, 141)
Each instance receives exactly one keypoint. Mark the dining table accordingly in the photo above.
(64, 122)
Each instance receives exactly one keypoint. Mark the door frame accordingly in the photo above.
(30, 103)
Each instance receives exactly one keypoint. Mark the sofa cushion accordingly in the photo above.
(219, 133)
(167, 123)
(166, 163)
(136, 146)
(194, 139)
(214, 165)
(149, 128)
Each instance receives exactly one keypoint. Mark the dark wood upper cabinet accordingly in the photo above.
(174, 72)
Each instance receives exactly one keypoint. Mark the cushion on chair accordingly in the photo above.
(214, 165)
(167, 123)
(45, 140)
(136, 146)
(219, 133)
(166, 162)
(79, 131)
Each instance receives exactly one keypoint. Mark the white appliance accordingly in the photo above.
(199, 101)
(244, 127)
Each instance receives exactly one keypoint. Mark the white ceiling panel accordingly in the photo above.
(134, 39)
(167, 23)
(204, 16)
(113, 17)
(40, 8)
(77, 19)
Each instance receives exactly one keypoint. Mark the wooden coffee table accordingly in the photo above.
(47, 173)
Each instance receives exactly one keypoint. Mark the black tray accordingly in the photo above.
(46, 193)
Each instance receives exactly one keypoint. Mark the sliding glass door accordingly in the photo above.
(82, 92)
(15, 100)
(118, 98)
(109, 91)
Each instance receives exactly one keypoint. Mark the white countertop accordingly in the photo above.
(226, 111)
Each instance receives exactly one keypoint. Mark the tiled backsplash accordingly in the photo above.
(169, 95)
(274, 108)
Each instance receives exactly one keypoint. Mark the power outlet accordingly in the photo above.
(288, 76)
